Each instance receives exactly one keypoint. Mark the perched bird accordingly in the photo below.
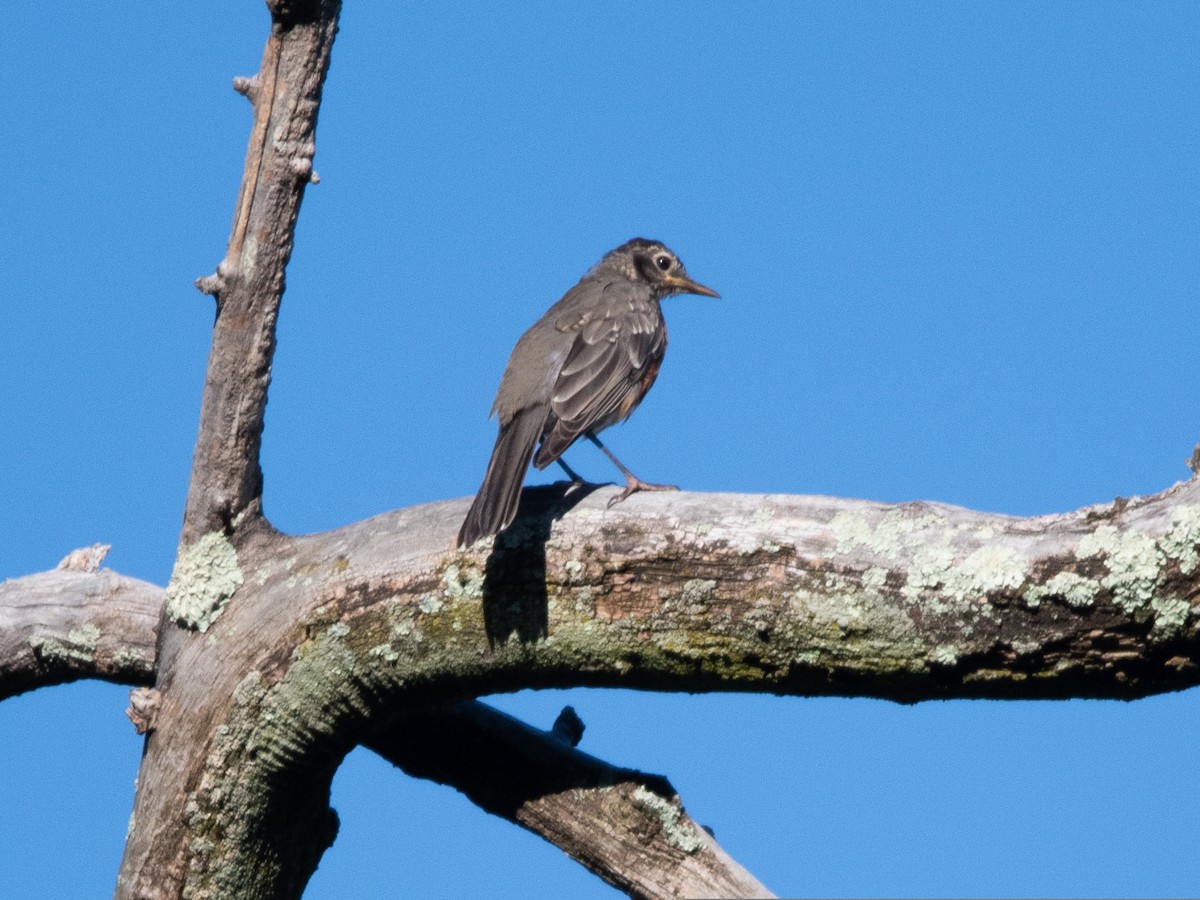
(584, 365)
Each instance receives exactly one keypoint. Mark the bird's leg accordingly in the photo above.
(576, 481)
(633, 484)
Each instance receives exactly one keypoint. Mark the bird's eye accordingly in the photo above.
(663, 263)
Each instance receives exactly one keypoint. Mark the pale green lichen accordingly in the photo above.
(53, 650)
(1170, 615)
(930, 567)
(984, 571)
(79, 646)
(338, 630)
(697, 591)
(1075, 590)
(84, 637)
(933, 546)
(850, 531)
(875, 577)
(1133, 564)
(677, 830)
(464, 583)
(944, 654)
(1182, 542)
(903, 529)
(1137, 564)
(763, 516)
(206, 575)
(988, 569)
(429, 603)
(127, 658)
(895, 532)
(385, 652)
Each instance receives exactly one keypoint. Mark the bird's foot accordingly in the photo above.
(576, 480)
(633, 485)
(574, 485)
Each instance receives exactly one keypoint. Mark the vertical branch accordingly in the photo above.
(226, 480)
(197, 675)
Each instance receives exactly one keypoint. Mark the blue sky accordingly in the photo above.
(957, 251)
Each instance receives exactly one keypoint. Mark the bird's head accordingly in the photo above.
(650, 262)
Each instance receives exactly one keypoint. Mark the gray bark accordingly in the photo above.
(278, 654)
(76, 623)
(628, 827)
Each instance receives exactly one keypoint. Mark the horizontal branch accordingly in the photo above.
(772, 593)
(75, 622)
(70, 623)
(626, 826)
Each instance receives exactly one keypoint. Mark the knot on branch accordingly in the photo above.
(247, 87)
(568, 727)
(302, 165)
(85, 559)
(143, 708)
(215, 284)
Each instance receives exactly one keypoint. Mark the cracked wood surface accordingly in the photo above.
(65, 624)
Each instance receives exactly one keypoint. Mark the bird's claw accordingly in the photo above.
(634, 485)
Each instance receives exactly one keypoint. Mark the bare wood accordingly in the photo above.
(626, 826)
(339, 632)
(276, 844)
(798, 595)
(65, 624)
(279, 654)
(226, 479)
(650, 846)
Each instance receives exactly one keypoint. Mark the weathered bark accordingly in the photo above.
(278, 654)
(626, 826)
(76, 622)
(799, 595)
(194, 831)
(343, 630)
(226, 480)
(332, 637)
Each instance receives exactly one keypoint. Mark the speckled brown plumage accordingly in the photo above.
(584, 365)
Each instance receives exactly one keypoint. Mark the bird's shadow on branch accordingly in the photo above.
(514, 578)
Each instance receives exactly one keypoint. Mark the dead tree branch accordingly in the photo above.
(626, 826)
(277, 655)
(69, 623)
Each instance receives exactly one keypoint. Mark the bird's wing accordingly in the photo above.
(599, 382)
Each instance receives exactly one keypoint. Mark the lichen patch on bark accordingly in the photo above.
(206, 575)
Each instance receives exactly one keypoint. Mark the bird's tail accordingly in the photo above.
(495, 505)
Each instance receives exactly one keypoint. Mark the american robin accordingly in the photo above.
(584, 365)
